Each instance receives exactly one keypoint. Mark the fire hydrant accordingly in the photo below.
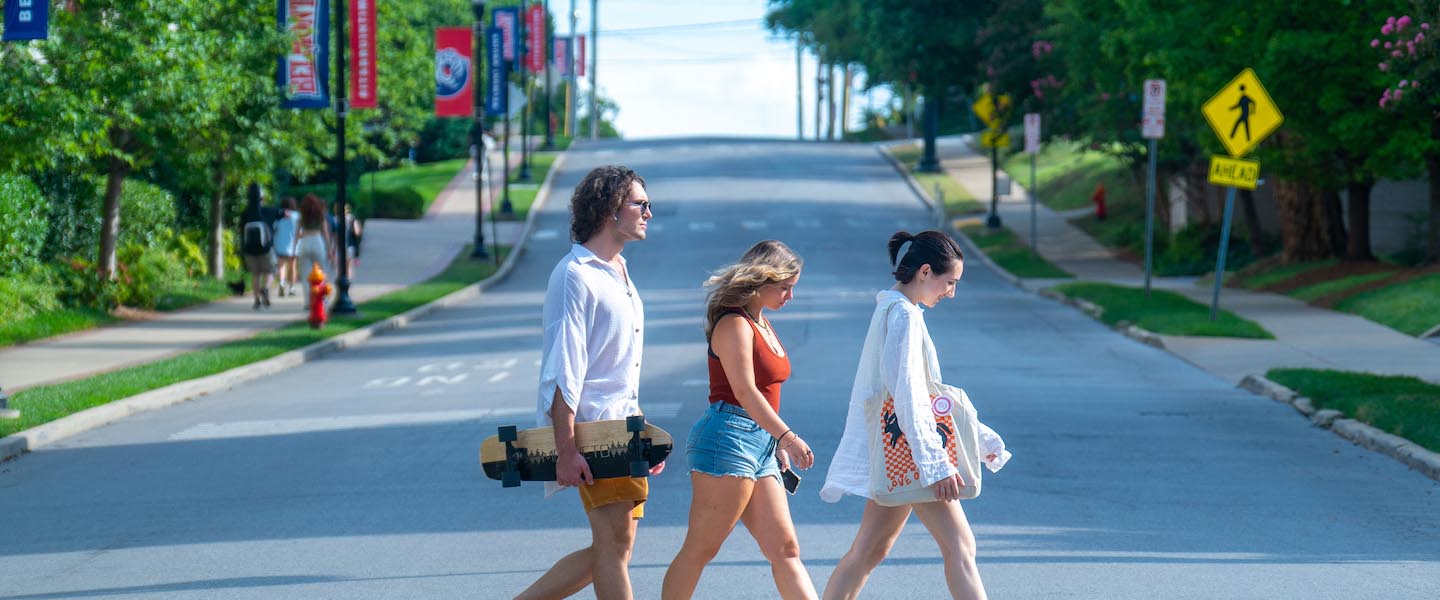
(319, 289)
(1099, 199)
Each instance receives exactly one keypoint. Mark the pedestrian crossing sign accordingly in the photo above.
(994, 139)
(1242, 114)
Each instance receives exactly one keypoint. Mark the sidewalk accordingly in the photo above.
(397, 253)
(1305, 336)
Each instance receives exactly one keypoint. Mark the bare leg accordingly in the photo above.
(604, 563)
(951, 530)
(715, 506)
(879, 528)
(768, 519)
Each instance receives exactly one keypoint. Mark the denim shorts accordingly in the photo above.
(727, 442)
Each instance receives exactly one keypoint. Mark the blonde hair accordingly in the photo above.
(733, 286)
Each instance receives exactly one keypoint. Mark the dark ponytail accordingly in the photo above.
(926, 248)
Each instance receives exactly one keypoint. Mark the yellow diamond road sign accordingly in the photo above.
(994, 139)
(992, 110)
(1242, 114)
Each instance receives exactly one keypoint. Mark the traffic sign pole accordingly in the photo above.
(1149, 218)
(1224, 249)
(1152, 127)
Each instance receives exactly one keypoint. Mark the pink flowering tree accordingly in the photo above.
(1409, 59)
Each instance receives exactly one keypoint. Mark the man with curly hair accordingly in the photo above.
(590, 371)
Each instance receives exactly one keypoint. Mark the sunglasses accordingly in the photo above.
(643, 205)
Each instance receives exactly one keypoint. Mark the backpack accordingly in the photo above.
(255, 238)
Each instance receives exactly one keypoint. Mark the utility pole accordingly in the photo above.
(799, 92)
(524, 43)
(545, 48)
(572, 97)
(594, 66)
(477, 71)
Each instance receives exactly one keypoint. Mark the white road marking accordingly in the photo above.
(386, 382)
(754, 225)
(807, 223)
(237, 429)
(702, 226)
(451, 380)
(546, 234)
(498, 377)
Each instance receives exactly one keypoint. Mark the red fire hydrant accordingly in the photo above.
(1099, 199)
(319, 289)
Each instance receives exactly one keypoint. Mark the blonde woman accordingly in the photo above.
(740, 446)
(899, 357)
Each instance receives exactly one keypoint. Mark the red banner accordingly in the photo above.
(362, 54)
(454, 92)
(535, 34)
(580, 56)
(562, 56)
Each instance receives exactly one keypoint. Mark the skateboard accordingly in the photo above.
(619, 448)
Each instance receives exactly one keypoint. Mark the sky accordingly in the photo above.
(695, 67)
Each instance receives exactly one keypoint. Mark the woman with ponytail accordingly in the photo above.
(740, 446)
(899, 358)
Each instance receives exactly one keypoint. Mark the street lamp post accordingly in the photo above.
(342, 305)
(477, 149)
(5, 411)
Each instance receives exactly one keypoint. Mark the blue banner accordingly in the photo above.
(26, 20)
(508, 21)
(496, 96)
(304, 73)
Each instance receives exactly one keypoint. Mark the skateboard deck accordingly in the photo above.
(619, 448)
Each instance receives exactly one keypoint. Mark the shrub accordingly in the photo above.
(77, 283)
(392, 203)
(146, 211)
(145, 274)
(23, 296)
(24, 221)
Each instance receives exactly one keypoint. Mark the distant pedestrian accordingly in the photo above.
(740, 446)
(1098, 197)
(590, 371)
(314, 245)
(287, 245)
(352, 240)
(899, 359)
(257, 244)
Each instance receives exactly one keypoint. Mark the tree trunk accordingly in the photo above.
(1432, 167)
(1304, 233)
(1252, 223)
(845, 102)
(929, 163)
(110, 216)
(217, 226)
(819, 93)
(1358, 244)
(1334, 221)
(1197, 191)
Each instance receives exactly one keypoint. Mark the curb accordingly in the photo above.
(1361, 434)
(21, 442)
(936, 211)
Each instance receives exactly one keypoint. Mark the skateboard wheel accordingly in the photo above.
(635, 423)
(507, 434)
(510, 479)
(639, 468)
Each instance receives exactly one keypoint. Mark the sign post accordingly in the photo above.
(994, 111)
(1242, 114)
(1032, 147)
(1152, 127)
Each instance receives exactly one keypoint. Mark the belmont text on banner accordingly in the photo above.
(304, 75)
(507, 19)
(26, 20)
(454, 93)
(496, 99)
(362, 54)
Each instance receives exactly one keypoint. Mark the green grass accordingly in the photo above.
(1163, 312)
(51, 323)
(1281, 273)
(522, 194)
(1412, 307)
(1404, 406)
(958, 200)
(1066, 174)
(1011, 254)
(1315, 291)
(40, 405)
(190, 293)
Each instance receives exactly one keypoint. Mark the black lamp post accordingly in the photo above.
(5, 411)
(478, 148)
(342, 304)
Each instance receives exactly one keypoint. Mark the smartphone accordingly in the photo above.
(791, 481)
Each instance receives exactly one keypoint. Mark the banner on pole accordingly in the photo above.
(26, 20)
(507, 19)
(454, 93)
(535, 35)
(580, 56)
(561, 63)
(362, 54)
(304, 72)
(496, 96)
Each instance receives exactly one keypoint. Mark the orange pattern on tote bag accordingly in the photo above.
(900, 469)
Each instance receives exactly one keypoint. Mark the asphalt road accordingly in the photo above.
(1136, 476)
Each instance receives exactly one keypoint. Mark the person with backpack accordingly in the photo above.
(257, 244)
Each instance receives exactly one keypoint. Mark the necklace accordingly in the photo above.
(758, 323)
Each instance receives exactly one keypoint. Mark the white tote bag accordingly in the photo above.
(894, 478)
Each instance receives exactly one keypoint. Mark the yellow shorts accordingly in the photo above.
(618, 489)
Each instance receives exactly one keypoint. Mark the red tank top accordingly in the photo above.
(771, 370)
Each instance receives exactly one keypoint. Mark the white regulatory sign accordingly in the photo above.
(1032, 133)
(1152, 111)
